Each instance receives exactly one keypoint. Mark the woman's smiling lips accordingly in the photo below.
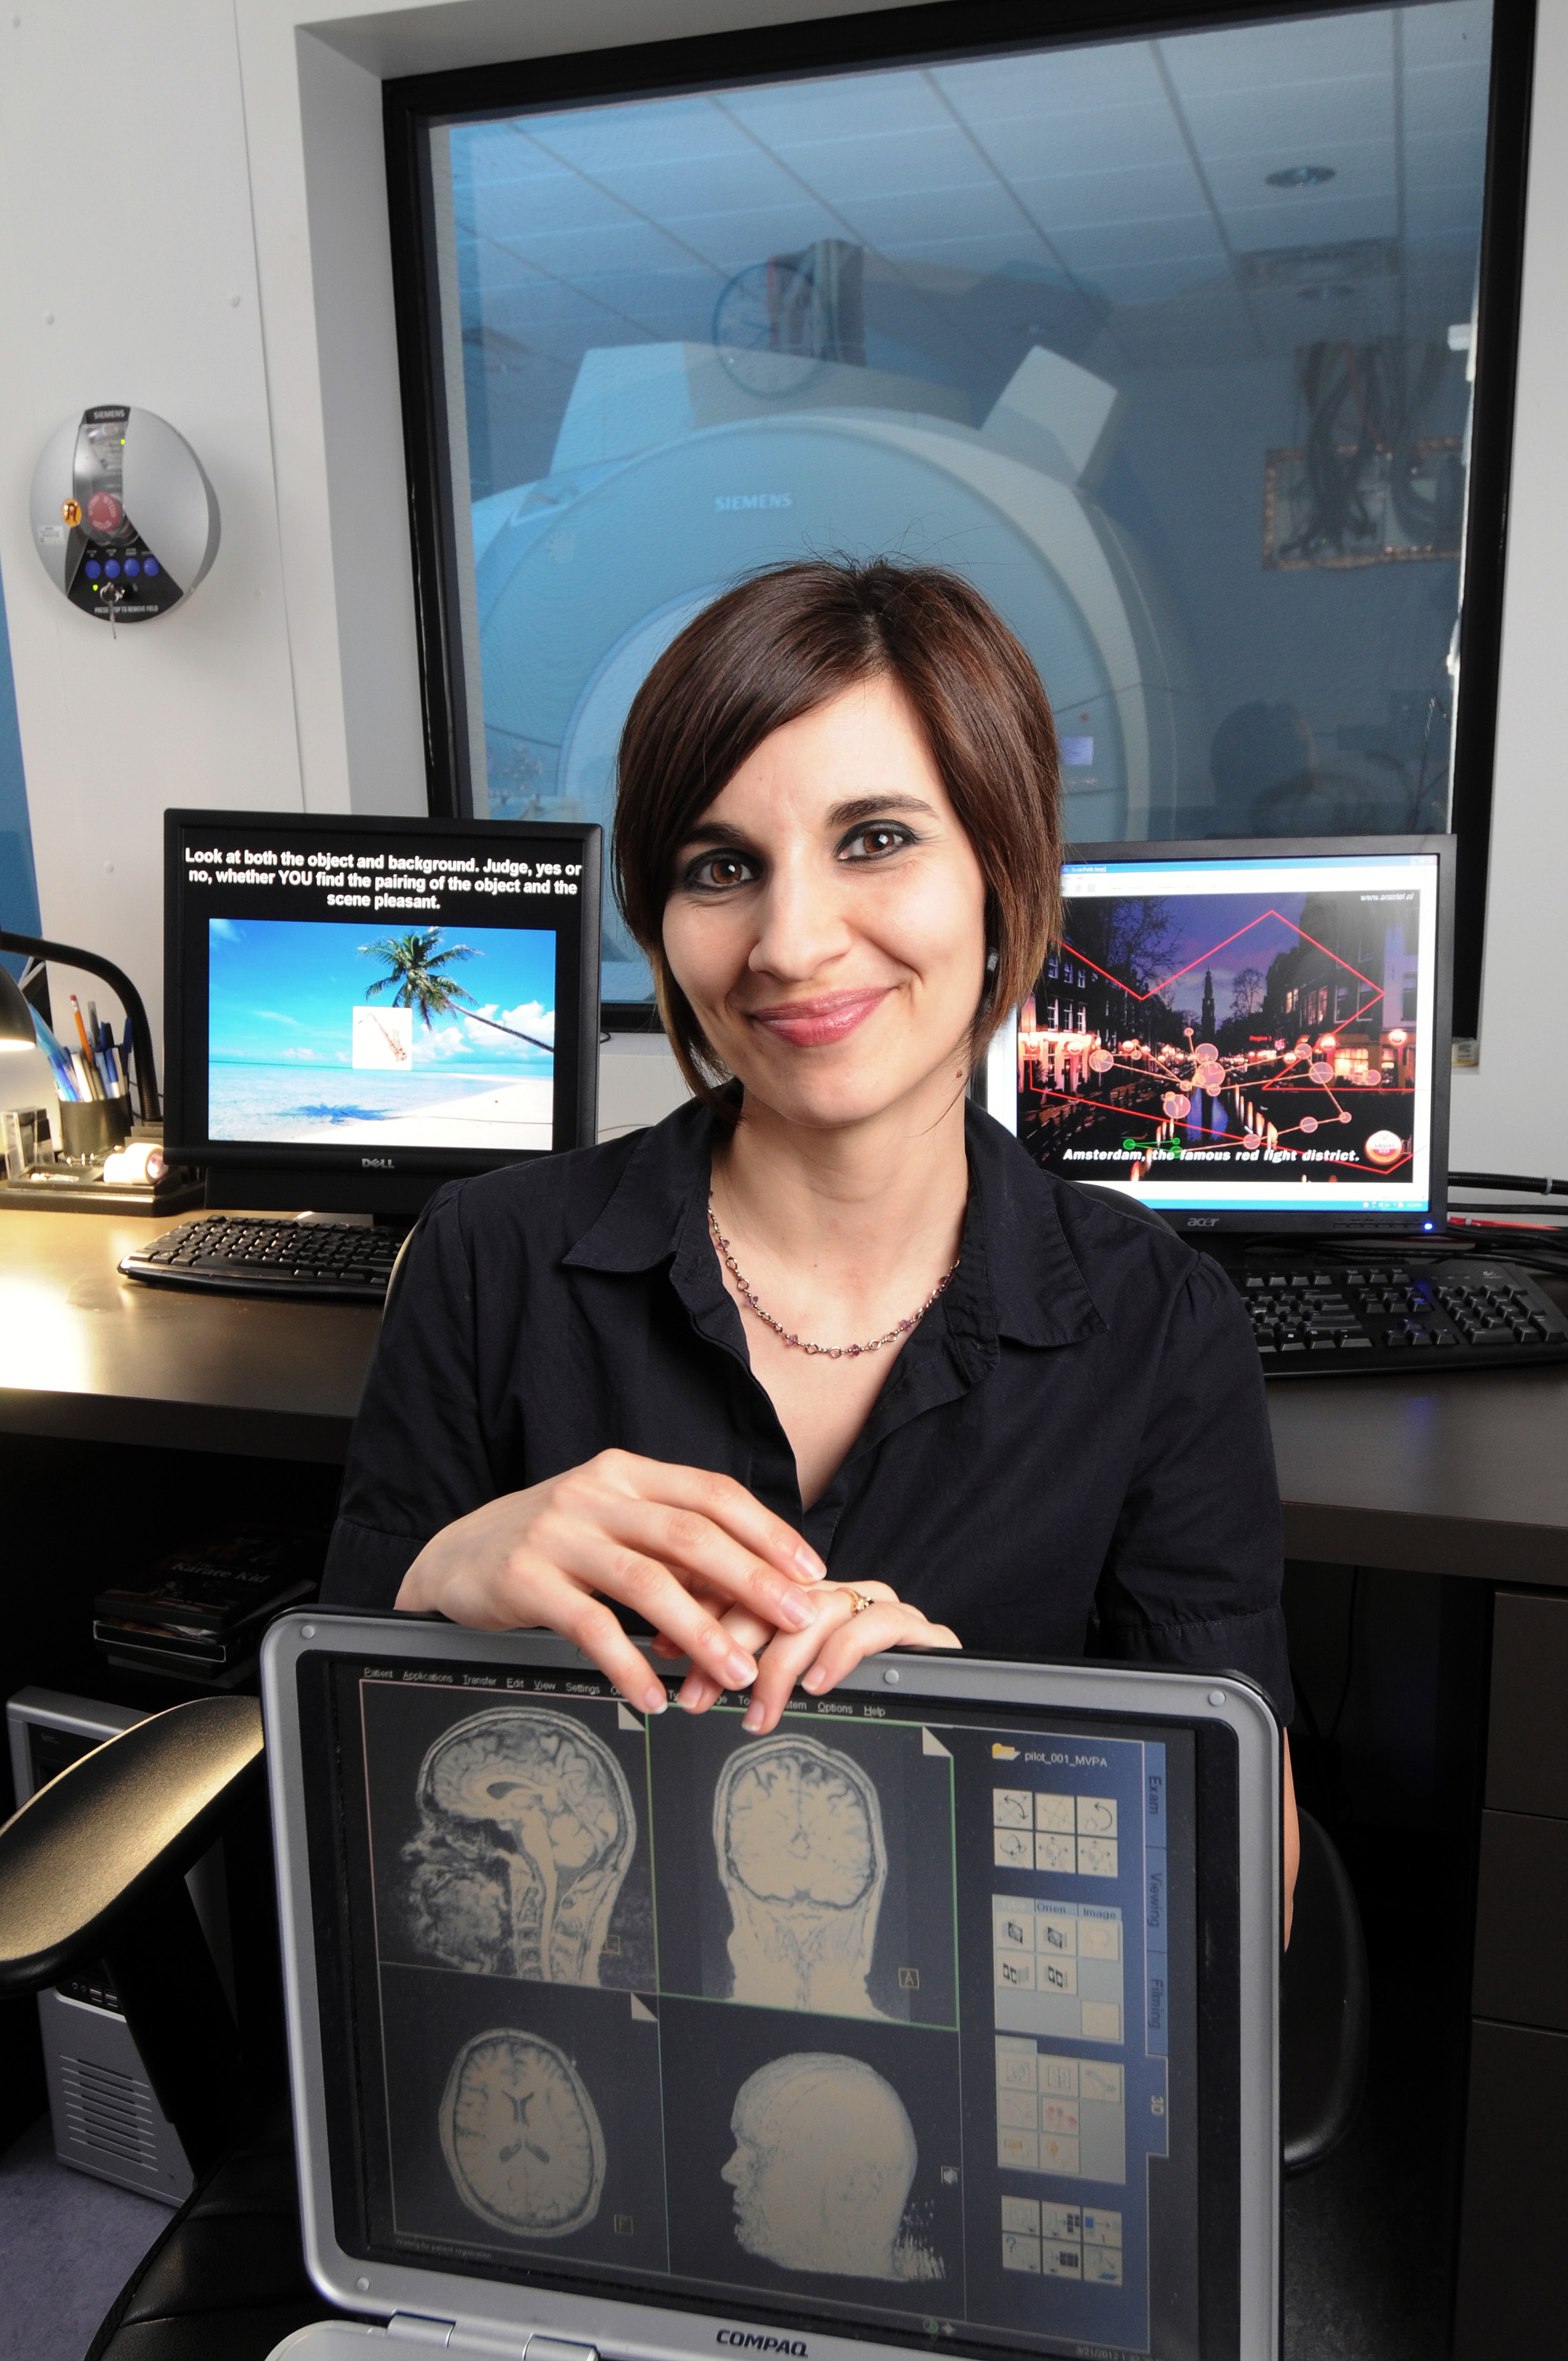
(808, 1024)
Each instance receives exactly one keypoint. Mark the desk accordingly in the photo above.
(1444, 1475)
(93, 1358)
(1437, 1475)
(1462, 1476)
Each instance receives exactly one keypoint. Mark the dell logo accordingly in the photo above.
(755, 2343)
(376, 1164)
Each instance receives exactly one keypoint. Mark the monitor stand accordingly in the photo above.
(393, 1198)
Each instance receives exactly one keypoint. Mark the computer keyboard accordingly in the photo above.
(1327, 1319)
(234, 1256)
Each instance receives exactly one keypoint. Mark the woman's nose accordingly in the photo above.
(801, 926)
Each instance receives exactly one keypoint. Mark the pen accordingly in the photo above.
(114, 1073)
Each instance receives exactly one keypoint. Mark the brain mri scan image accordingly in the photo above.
(520, 2137)
(797, 1829)
(825, 2156)
(526, 1832)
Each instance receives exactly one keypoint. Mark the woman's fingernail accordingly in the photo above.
(740, 1671)
(797, 1611)
(810, 1565)
(814, 1678)
(754, 1719)
(653, 1698)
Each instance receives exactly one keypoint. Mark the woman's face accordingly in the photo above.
(828, 918)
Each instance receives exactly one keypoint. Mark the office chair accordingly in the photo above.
(93, 1866)
(1325, 2010)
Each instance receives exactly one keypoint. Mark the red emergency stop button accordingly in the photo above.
(105, 514)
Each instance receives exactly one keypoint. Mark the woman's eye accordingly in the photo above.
(875, 842)
(718, 871)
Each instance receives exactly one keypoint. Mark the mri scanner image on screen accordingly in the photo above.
(1162, 343)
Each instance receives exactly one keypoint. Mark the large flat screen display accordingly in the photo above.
(419, 996)
(1231, 1033)
(1163, 333)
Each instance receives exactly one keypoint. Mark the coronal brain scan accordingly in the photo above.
(526, 1832)
(797, 1828)
(522, 2140)
(823, 2160)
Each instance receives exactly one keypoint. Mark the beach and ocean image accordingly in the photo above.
(328, 1033)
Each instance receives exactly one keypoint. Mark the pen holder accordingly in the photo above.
(92, 1126)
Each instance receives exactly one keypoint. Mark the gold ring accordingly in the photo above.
(862, 1601)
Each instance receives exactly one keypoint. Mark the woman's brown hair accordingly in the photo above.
(789, 640)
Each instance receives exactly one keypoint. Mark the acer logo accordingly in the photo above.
(1204, 1222)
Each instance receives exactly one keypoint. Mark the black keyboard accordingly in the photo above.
(229, 1256)
(1323, 1319)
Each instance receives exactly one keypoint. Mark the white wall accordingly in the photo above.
(237, 279)
(146, 296)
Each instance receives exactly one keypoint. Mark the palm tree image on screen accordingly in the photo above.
(415, 964)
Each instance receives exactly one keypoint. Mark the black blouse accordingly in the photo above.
(1078, 1424)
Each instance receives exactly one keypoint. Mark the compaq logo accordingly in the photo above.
(376, 1164)
(753, 2342)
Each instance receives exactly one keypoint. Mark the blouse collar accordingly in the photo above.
(1017, 1275)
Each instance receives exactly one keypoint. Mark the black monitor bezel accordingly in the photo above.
(576, 1097)
(1318, 1220)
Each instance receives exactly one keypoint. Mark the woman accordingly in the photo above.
(823, 1364)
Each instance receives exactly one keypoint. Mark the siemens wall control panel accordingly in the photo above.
(123, 518)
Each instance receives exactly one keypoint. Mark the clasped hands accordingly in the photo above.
(719, 1578)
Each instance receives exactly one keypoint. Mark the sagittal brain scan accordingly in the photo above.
(825, 2156)
(522, 2140)
(526, 1832)
(797, 1828)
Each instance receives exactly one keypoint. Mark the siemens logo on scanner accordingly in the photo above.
(756, 2344)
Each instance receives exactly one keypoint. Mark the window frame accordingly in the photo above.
(942, 30)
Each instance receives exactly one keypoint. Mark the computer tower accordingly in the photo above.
(105, 2118)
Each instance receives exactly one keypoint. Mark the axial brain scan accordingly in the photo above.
(823, 2160)
(522, 2140)
(797, 1828)
(526, 1832)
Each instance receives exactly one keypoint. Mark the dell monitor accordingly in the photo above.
(1244, 1036)
(360, 1009)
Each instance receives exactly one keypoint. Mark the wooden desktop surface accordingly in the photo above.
(1440, 1475)
(86, 1354)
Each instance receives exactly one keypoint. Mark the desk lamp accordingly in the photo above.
(118, 982)
(16, 1016)
(25, 1080)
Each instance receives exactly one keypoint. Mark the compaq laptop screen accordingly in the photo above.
(1243, 1035)
(889, 2023)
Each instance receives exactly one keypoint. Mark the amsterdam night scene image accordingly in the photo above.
(1216, 1038)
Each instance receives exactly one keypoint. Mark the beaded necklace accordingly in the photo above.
(829, 1352)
